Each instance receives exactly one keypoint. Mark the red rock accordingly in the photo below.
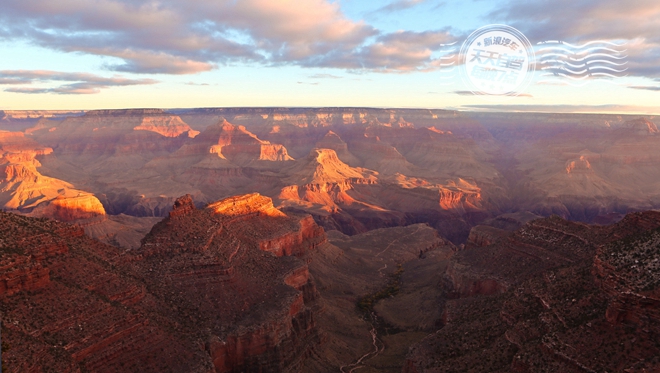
(561, 309)
(203, 293)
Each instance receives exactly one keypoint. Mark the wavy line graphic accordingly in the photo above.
(582, 77)
(584, 51)
(585, 57)
(565, 82)
(594, 60)
(587, 70)
(582, 65)
(580, 46)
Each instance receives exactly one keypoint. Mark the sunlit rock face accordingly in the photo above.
(23, 188)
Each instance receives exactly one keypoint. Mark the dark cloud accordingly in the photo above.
(77, 83)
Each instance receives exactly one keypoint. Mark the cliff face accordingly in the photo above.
(554, 296)
(240, 146)
(211, 289)
(24, 188)
(229, 246)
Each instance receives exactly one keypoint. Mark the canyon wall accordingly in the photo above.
(212, 289)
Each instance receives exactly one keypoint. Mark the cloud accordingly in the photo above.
(621, 22)
(397, 52)
(186, 36)
(470, 93)
(648, 88)
(398, 5)
(324, 76)
(77, 83)
(4, 81)
(564, 108)
(193, 36)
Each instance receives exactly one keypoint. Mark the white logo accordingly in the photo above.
(497, 60)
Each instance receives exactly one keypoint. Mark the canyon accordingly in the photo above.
(352, 169)
(329, 239)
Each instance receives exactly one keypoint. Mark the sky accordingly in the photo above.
(104, 54)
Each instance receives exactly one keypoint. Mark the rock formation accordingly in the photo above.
(554, 296)
(212, 289)
(23, 188)
(450, 169)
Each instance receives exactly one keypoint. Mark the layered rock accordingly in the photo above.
(236, 252)
(468, 167)
(240, 146)
(211, 289)
(554, 296)
(332, 141)
(25, 189)
(168, 127)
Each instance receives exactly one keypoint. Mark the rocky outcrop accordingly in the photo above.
(483, 235)
(299, 242)
(213, 289)
(244, 207)
(576, 294)
(628, 270)
(182, 206)
(239, 146)
(25, 189)
(332, 141)
(166, 126)
(81, 206)
(241, 242)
